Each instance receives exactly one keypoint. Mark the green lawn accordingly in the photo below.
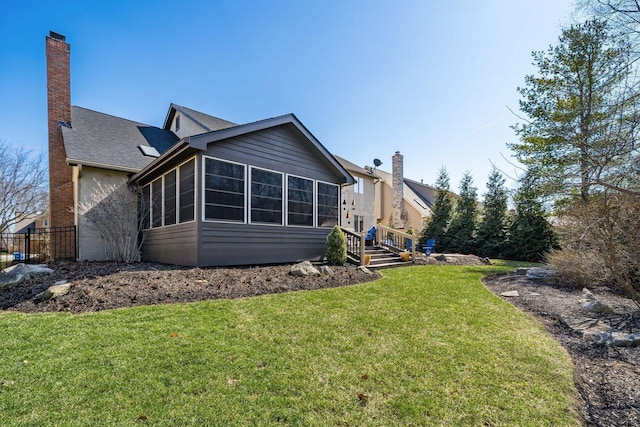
(426, 345)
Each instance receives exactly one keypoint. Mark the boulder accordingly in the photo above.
(304, 268)
(617, 339)
(9, 280)
(586, 326)
(536, 273)
(18, 273)
(325, 269)
(589, 302)
(57, 290)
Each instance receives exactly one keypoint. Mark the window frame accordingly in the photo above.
(317, 205)
(177, 200)
(283, 198)
(204, 191)
(313, 202)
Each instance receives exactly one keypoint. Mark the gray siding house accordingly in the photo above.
(208, 192)
(259, 193)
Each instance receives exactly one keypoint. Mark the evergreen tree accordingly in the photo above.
(492, 230)
(336, 251)
(436, 227)
(582, 114)
(530, 234)
(462, 231)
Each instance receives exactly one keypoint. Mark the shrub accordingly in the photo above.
(578, 268)
(336, 252)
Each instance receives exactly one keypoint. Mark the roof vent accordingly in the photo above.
(149, 151)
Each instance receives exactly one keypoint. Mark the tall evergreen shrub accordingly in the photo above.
(336, 251)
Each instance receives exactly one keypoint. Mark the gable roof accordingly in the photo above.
(105, 141)
(207, 122)
(426, 193)
(201, 142)
(352, 167)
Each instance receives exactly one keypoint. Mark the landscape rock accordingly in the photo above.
(536, 273)
(617, 339)
(18, 273)
(9, 280)
(364, 269)
(54, 291)
(586, 326)
(590, 303)
(304, 268)
(510, 294)
(325, 269)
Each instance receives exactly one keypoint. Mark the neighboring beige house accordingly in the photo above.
(417, 199)
(357, 211)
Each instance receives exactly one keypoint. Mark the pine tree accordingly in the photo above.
(530, 234)
(436, 227)
(462, 230)
(491, 238)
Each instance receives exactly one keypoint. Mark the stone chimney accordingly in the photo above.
(59, 109)
(397, 212)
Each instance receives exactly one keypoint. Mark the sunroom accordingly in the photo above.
(262, 193)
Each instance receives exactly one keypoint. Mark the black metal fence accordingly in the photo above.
(38, 245)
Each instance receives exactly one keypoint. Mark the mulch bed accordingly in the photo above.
(107, 285)
(607, 378)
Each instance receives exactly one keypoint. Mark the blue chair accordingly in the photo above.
(429, 247)
(370, 238)
(409, 245)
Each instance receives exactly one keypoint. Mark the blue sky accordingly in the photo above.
(431, 79)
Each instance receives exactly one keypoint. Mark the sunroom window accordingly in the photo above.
(327, 204)
(266, 196)
(299, 201)
(224, 186)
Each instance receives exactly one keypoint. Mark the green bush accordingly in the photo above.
(336, 252)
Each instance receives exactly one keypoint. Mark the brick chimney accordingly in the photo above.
(59, 108)
(397, 206)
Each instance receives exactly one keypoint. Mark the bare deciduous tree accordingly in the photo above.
(111, 211)
(601, 243)
(23, 185)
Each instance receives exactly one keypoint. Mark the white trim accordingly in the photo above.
(204, 191)
(195, 190)
(249, 194)
(162, 177)
(313, 203)
(317, 204)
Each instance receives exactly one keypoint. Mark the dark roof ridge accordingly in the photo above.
(111, 115)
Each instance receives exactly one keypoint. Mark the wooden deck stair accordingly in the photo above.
(384, 258)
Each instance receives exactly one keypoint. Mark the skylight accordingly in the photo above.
(149, 151)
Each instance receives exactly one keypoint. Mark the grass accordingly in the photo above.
(425, 345)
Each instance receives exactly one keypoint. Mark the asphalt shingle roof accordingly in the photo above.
(209, 123)
(100, 139)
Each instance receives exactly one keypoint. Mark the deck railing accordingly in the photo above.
(355, 245)
(396, 240)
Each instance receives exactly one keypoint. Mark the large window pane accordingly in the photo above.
(266, 196)
(299, 201)
(187, 191)
(327, 205)
(156, 203)
(170, 198)
(224, 191)
(145, 207)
